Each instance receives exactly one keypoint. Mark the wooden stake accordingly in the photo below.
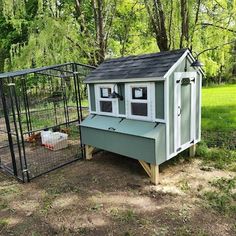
(89, 152)
(192, 150)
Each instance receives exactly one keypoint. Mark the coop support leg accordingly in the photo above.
(152, 170)
(192, 150)
(155, 174)
(89, 152)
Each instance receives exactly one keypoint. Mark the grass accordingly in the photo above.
(3, 223)
(219, 127)
(217, 157)
(223, 197)
(125, 216)
(184, 185)
(219, 108)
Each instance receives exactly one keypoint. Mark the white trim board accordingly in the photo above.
(98, 98)
(200, 107)
(166, 115)
(184, 147)
(147, 79)
(149, 101)
(89, 99)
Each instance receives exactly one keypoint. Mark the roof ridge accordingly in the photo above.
(147, 55)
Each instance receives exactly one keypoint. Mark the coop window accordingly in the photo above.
(105, 92)
(106, 106)
(104, 103)
(139, 93)
(139, 109)
(139, 102)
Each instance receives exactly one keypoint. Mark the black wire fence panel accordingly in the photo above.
(44, 105)
(62, 146)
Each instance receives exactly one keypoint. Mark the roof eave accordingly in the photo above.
(124, 80)
(176, 64)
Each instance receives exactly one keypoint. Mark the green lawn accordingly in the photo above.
(219, 108)
(218, 128)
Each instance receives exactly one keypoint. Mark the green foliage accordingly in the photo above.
(38, 32)
(31, 9)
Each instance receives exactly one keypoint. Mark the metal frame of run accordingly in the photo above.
(36, 100)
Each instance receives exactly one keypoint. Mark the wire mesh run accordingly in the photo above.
(40, 113)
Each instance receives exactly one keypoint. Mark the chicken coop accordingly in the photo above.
(40, 113)
(145, 107)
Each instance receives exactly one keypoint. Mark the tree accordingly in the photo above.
(40, 32)
(9, 35)
(158, 23)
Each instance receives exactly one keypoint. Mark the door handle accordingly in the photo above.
(179, 111)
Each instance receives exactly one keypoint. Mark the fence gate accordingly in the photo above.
(40, 113)
(13, 153)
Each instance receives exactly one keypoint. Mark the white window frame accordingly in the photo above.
(150, 100)
(98, 98)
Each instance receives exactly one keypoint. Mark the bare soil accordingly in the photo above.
(112, 195)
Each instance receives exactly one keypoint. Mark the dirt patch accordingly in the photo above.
(111, 195)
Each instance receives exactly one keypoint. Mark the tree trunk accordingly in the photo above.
(184, 38)
(157, 18)
(170, 22)
(79, 15)
(2, 60)
(2, 50)
(101, 34)
(195, 23)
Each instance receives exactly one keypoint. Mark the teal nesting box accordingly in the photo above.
(145, 107)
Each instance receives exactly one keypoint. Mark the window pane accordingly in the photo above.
(139, 93)
(105, 106)
(105, 92)
(139, 109)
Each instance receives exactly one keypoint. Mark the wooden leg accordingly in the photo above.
(155, 174)
(152, 170)
(89, 152)
(192, 150)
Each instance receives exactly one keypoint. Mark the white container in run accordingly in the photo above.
(54, 140)
(45, 135)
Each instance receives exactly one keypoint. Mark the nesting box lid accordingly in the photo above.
(120, 125)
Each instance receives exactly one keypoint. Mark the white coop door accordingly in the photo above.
(184, 109)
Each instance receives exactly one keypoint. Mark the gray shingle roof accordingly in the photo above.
(143, 66)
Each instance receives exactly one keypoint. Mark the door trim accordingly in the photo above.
(178, 76)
